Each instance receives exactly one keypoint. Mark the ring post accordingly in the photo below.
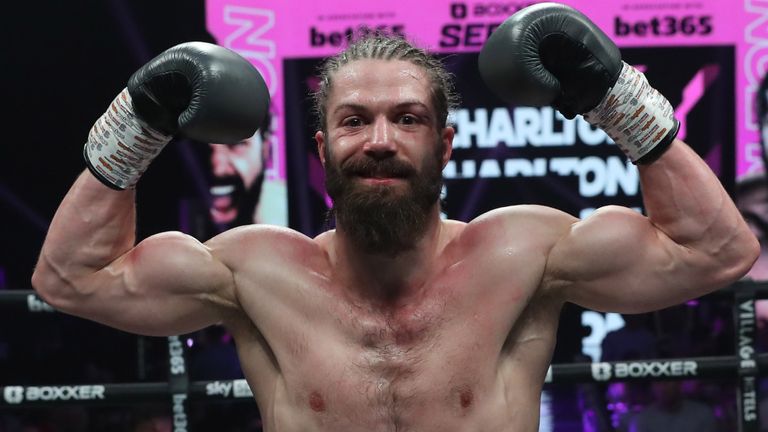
(178, 383)
(746, 354)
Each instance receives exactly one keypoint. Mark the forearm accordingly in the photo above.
(686, 201)
(92, 227)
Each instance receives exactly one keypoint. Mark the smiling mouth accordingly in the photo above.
(376, 174)
(376, 178)
(222, 190)
(222, 199)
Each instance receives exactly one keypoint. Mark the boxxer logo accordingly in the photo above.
(676, 368)
(458, 10)
(487, 9)
(601, 371)
(13, 394)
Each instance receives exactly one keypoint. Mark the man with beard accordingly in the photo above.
(237, 172)
(752, 196)
(398, 320)
(240, 192)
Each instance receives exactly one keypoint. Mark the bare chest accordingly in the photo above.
(391, 375)
(401, 370)
(431, 364)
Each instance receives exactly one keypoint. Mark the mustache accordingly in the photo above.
(217, 180)
(366, 166)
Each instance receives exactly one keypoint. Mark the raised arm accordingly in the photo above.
(169, 283)
(693, 239)
(692, 242)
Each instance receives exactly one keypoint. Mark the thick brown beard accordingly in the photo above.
(382, 219)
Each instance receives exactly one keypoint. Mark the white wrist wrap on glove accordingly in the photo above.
(120, 145)
(634, 114)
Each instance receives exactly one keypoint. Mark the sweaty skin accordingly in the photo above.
(466, 348)
(453, 335)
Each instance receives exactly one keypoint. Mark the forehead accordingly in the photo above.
(376, 81)
(253, 143)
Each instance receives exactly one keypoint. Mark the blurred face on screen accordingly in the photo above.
(382, 152)
(238, 172)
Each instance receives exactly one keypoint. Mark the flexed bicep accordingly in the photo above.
(617, 260)
(693, 241)
(168, 284)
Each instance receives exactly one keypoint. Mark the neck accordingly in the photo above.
(385, 279)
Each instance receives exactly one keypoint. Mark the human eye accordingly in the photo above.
(408, 119)
(352, 122)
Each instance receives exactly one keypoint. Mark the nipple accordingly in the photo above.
(316, 402)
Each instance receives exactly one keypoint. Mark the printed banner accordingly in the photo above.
(702, 55)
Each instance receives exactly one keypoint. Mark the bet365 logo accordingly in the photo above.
(689, 25)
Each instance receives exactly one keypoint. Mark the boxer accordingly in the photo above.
(397, 320)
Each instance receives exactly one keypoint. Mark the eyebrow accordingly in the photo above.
(350, 106)
(359, 107)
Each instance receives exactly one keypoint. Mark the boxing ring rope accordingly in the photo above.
(746, 366)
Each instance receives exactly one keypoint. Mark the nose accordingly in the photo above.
(381, 143)
(221, 165)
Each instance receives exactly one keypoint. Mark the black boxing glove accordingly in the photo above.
(551, 54)
(198, 90)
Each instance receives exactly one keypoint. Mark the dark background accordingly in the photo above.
(63, 63)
